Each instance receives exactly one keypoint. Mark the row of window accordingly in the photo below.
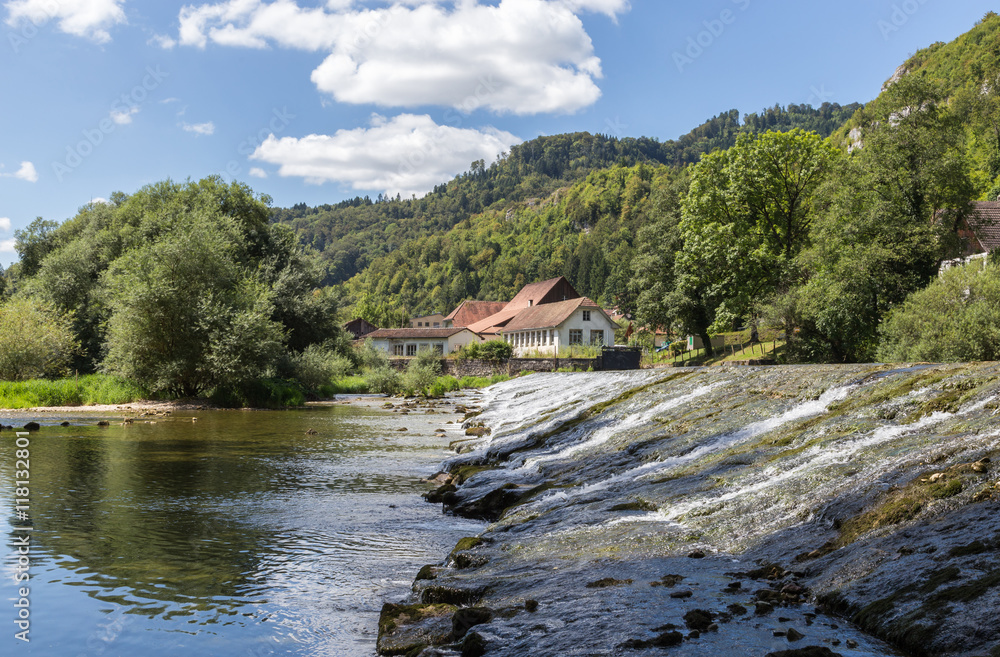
(412, 348)
(428, 325)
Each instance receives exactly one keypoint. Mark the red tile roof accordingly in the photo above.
(549, 315)
(984, 221)
(415, 333)
(495, 323)
(469, 312)
(535, 294)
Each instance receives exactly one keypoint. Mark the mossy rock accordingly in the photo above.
(451, 595)
(428, 572)
(404, 629)
(478, 432)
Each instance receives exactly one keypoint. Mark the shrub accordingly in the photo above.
(496, 351)
(418, 378)
(383, 380)
(470, 351)
(317, 366)
(371, 358)
(36, 340)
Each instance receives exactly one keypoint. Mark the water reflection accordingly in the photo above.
(237, 527)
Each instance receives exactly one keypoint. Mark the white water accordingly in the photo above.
(625, 426)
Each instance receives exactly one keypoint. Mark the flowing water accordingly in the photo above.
(222, 532)
(875, 489)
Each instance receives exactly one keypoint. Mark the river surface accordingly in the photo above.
(222, 532)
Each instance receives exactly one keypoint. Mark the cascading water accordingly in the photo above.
(869, 491)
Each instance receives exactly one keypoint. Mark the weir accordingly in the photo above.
(851, 508)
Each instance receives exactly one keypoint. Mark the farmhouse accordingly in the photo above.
(469, 312)
(544, 329)
(545, 316)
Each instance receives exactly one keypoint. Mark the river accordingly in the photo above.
(221, 532)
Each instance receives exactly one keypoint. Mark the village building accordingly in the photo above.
(359, 328)
(428, 321)
(978, 234)
(409, 341)
(542, 330)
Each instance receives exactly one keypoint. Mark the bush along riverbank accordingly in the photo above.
(823, 510)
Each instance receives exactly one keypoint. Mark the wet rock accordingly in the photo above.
(697, 554)
(734, 586)
(474, 645)
(608, 582)
(436, 496)
(737, 609)
(698, 619)
(851, 643)
(405, 628)
(810, 651)
(468, 617)
(491, 506)
(452, 595)
(311, 432)
(428, 572)
(670, 581)
(103, 423)
(531, 605)
(763, 608)
(794, 635)
(686, 593)
(479, 432)
(64, 423)
(693, 634)
(32, 426)
(665, 640)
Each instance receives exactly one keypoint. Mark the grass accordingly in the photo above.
(770, 350)
(84, 390)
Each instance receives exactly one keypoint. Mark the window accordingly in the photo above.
(586, 315)
(597, 337)
(397, 350)
(420, 324)
(411, 350)
(437, 324)
(576, 336)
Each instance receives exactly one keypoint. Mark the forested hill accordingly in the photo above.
(353, 233)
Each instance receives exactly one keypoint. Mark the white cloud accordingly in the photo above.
(519, 56)
(5, 224)
(7, 246)
(407, 154)
(206, 128)
(257, 172)
(124, 117)
(26, 172)
(163, 41)
(84, 18)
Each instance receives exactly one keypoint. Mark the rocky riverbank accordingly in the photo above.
(818, 510)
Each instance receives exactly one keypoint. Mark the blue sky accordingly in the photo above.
(313, 101)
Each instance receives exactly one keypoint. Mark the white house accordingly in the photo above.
(546, 328)
(408, 341)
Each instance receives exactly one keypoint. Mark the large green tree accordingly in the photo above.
(745, 219)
